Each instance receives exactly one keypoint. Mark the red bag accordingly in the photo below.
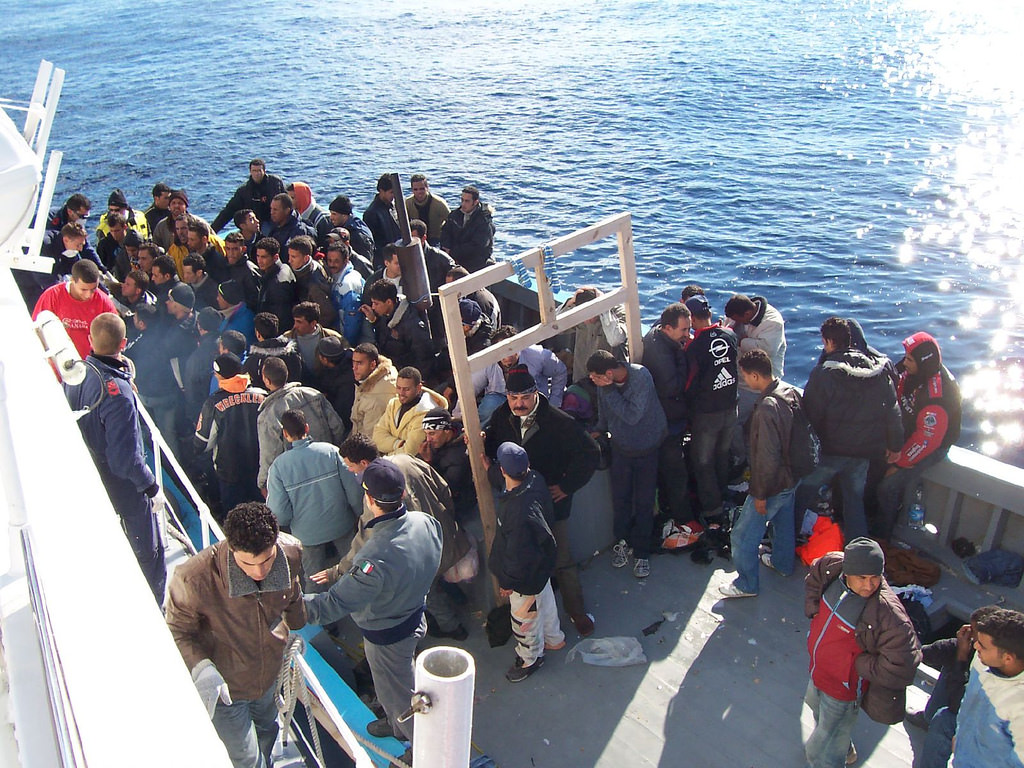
(826, 537)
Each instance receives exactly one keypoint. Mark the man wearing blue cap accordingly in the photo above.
(522, 559)
(386, 587)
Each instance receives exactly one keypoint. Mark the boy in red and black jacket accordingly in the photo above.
(863, 650)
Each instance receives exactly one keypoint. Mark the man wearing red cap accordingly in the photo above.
(929, 400)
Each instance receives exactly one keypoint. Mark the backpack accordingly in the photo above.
(802, 451)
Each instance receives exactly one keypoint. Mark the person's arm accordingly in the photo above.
(584, 456)
(631, 403)
(205, 437)
(554, 369)
(183, 617)
(277, 498)
(117, 414)
(355, 590)
(930, 430)
(233, 206)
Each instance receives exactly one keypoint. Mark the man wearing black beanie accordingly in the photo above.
(867, 668)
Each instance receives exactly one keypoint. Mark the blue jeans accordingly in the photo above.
(938, 744)
(833, 725)
(897, 490)
(634, 483)
(851, 474)
(248, 729)
(748, 530)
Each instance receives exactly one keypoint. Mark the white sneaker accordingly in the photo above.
(621, 553)
(731, 590)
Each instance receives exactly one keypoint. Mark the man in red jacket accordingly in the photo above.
(929, 401)
(863, 648)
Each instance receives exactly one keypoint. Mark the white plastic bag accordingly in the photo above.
(609, 651)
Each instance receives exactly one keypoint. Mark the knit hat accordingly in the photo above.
(180, 194)
(925, 350)
(227, 365)
(340, 204)
(437, 419)
(117, 199)
(513, 459)
(699, 306)
(209, 319)
(132, 239)
(384, 481)
(469, 310)
(232, 292)
(183, 294)
(520, 381)
(863, 557)
(331, 347)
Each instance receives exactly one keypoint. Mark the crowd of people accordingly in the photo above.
(301, 389)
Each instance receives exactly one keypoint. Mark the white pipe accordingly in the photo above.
(448, 676)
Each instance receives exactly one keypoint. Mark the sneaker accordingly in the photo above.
(621, 553)
(731, 590)
(851, 755)
(380, 728)
(766, 559)
(642, 568)
(554, 646)
(517, 672)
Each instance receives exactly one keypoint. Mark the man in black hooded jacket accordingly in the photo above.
(851, 403)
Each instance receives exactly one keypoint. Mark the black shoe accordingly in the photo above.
(380, 728)
(434, 630)
(517, 672)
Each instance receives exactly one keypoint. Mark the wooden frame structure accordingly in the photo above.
(552, 323)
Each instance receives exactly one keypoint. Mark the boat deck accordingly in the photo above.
(723, 686)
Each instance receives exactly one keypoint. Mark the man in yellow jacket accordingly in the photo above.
(400, 429)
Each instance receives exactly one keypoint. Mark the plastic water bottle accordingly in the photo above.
(915, 515)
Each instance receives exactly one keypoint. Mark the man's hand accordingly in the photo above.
(891, 457)
(601, 379)
(211, 686)
(964, 642)
(320, 577)
(505, 592)
(557, 494)
(761, 505)
(368, 313)
(486, 461)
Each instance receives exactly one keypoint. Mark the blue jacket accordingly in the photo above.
(346, 289)
(111, 428)
(632, 413)
(240, 319)
(386, 586)
(310, 490)
(291, 228)
(990, 725)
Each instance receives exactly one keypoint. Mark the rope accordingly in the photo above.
(292, 688)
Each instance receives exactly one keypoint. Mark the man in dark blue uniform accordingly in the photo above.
(112, 434)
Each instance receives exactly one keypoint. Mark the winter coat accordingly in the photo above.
(310, 491)
(469, 239)
(398, 432)
(631, 413)
(434, 214)
(372, 396)
(255, 197)
(281, 347)
(666, 360)
(558, 448)
(770, 427)
(765, 331)
(713, 372)
(324, 424)
(292, 227)
(382, 221)
(850, 401)
(277, 294)
(523, 553)
(890, 653)
(216, 612)
(227, 426)
(931, 409)
(405, 339)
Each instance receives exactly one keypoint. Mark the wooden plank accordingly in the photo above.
(627, 270)
(482, 279)
(563, 322)
(545, 298)
(599, 231)
(470, 417)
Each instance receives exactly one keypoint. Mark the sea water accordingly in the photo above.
(856, 158)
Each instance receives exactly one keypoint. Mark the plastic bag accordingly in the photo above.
(609, 652)
(467, 567)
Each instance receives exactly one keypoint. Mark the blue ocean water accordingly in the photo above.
(856, 158)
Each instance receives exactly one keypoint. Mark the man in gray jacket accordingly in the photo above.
(772, 485)
(631, 413)
(310, 491)
(385, 588)
(324, 423)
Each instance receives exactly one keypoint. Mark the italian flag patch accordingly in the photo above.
(366, 567)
